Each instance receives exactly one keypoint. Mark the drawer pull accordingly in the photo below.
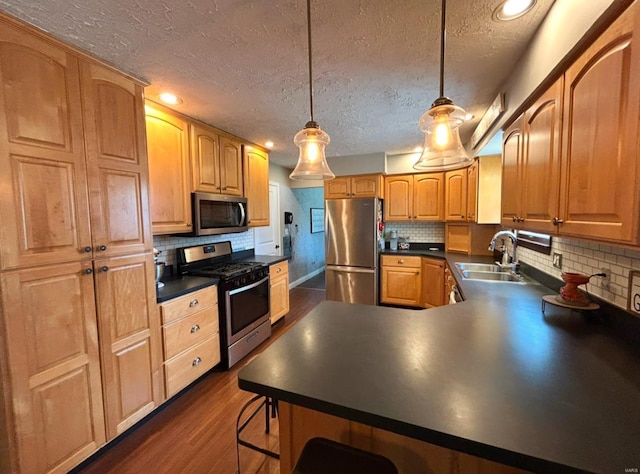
(193, 303)
(196, 362)
(195, 328)
(401, 261)
(278, 270)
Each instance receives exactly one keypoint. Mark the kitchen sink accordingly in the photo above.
(491, 276)
(480, 267)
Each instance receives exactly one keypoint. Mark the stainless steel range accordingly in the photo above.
(243, 296)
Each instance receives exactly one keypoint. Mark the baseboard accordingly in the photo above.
(308, 276)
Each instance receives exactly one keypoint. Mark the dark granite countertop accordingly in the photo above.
(179, 286)
(492, 376)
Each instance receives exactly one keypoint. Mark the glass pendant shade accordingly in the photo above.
(442, 148)
(312, 163)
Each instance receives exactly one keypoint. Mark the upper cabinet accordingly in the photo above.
(455, 203)
(256, 185)
(511, 174)
(472, 191)
(168, 148)
(216, 162)
(600, 170)
(358, 186)
(414, 197)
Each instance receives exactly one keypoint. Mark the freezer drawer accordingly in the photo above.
(352, 284)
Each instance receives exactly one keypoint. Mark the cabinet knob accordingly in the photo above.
(196, 361)
(278, 270)
(224, 189)
(193, 303)
(514, 219)
(88, 271)
(188, 224)
(87, 249)
(556, 221)
(102, 248)
(461, 216)
(195, 328)
(104, 268)
(401, 261)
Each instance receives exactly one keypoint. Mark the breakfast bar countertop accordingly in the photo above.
(492, 377)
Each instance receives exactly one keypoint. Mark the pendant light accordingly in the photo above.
(442, 148)
(312, 164)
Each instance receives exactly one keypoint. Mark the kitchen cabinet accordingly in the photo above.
(278, 290)
(433, 282)
(256, 185)
(455, 201)
(191, 338)
(469, 238)
(414, 197)
(600, 170)
(401, 280)
(450, 284)
(366, 185)
(169, 174)
(216, 161)
(76, 268)
(512, 149)
(472, 191)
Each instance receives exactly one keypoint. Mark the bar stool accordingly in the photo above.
(271, 411)
(324, 456)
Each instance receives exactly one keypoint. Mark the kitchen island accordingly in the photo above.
(433, 389)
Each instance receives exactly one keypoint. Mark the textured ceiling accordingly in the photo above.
(241, 65)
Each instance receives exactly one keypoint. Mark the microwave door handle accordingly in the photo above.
(243, 213)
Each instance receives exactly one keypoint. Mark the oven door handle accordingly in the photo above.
(248, 287)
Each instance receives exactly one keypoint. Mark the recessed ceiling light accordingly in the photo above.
(268, 144)
(169, 98)
(512, 9)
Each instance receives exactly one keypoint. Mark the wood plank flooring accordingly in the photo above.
(195, 431)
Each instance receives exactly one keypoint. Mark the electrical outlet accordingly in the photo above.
(557, 260)
(605, 281)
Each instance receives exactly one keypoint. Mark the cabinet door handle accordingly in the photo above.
(224, 189)
(188, 224)
(401, 261)
(196, 362)
(104, 268)
(278, 270)
(87, 249)
(88, 271)
(102, 248)
(556, 221)
(195, 328)
(193, 303)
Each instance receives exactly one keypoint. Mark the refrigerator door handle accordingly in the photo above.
(349, 269)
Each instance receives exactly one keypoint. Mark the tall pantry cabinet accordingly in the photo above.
(80, 359)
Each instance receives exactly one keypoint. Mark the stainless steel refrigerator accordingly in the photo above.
(352, 227)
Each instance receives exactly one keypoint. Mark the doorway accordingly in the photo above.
(268, 239)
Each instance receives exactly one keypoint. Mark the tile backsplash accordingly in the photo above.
(427, 232)
(585, 257)
(168, 243)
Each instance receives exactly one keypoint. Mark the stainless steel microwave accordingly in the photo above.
(218, 214)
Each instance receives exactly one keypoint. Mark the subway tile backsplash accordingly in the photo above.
(585, 257)
(427, 232)
(168, 243)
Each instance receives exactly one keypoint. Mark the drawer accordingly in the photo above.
(278, 269)
(186, 332)
(400, 261)
(188, 304)
(188, 366)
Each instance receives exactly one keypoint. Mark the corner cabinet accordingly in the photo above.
(169, 174)
(256, 185)
(74, 230)
(359, 186)
(278, 290)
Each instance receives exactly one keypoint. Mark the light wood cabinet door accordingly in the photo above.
(129, 339)
(540, 176)
(205, 159)
(337, 188)
(43, 185)
(433, 282)
(279, 290)
(600, 167)
(117, 166)
(256, 182)
(169, 190)
(428, 197)
(512, 147)
(398, 191)
(455, 203)
(401, 280)
(231, 167)
(472, 191)
(51, 344)
(366, 185)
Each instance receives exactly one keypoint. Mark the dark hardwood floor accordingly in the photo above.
(195, 431)
(315, 283)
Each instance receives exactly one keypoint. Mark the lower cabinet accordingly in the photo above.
(401, 280)
(191, 339)
(278, 290)
(433, 282)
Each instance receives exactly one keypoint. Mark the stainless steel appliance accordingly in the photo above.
(243, 296)
(352, 228)
(218, 214)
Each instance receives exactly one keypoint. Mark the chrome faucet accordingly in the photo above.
(512, 236)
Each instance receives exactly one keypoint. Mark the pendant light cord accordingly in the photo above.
(310, 61)
(442, 41)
